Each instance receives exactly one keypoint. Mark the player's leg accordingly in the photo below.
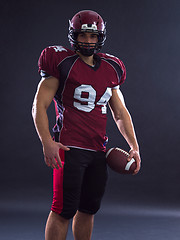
(67, 182)
(82, 226)
(94, 184)
(93, 188)
(56, 227)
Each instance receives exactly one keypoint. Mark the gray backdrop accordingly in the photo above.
(145, 35)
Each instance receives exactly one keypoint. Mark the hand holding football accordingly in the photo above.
(117, 160)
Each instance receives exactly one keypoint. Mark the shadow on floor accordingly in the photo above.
(26, 221)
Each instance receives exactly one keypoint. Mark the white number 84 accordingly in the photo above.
(87, 104)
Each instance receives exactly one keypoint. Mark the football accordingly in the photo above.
(117, 160)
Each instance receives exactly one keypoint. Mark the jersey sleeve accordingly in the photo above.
(118, 66)
(123, 68)
(48, 63)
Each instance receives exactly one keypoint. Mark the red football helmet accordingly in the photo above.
(87, 21)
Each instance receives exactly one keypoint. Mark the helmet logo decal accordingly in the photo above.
(92, 27)
(70, 24)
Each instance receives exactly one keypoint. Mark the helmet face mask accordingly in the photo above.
(86, 49)
(87, 21)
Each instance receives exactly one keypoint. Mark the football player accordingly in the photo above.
(81, 81)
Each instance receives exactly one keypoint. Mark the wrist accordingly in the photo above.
(134, 148)
(46, 140)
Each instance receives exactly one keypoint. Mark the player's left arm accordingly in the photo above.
(124, 123)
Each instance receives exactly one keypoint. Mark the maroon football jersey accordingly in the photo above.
(82, 95)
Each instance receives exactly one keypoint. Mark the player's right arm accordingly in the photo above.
(46, 91)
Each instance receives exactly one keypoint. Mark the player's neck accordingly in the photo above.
(87, 59)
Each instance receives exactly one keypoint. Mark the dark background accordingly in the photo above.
(145, 35)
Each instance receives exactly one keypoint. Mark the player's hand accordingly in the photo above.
(51, 153)
(135, 154)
